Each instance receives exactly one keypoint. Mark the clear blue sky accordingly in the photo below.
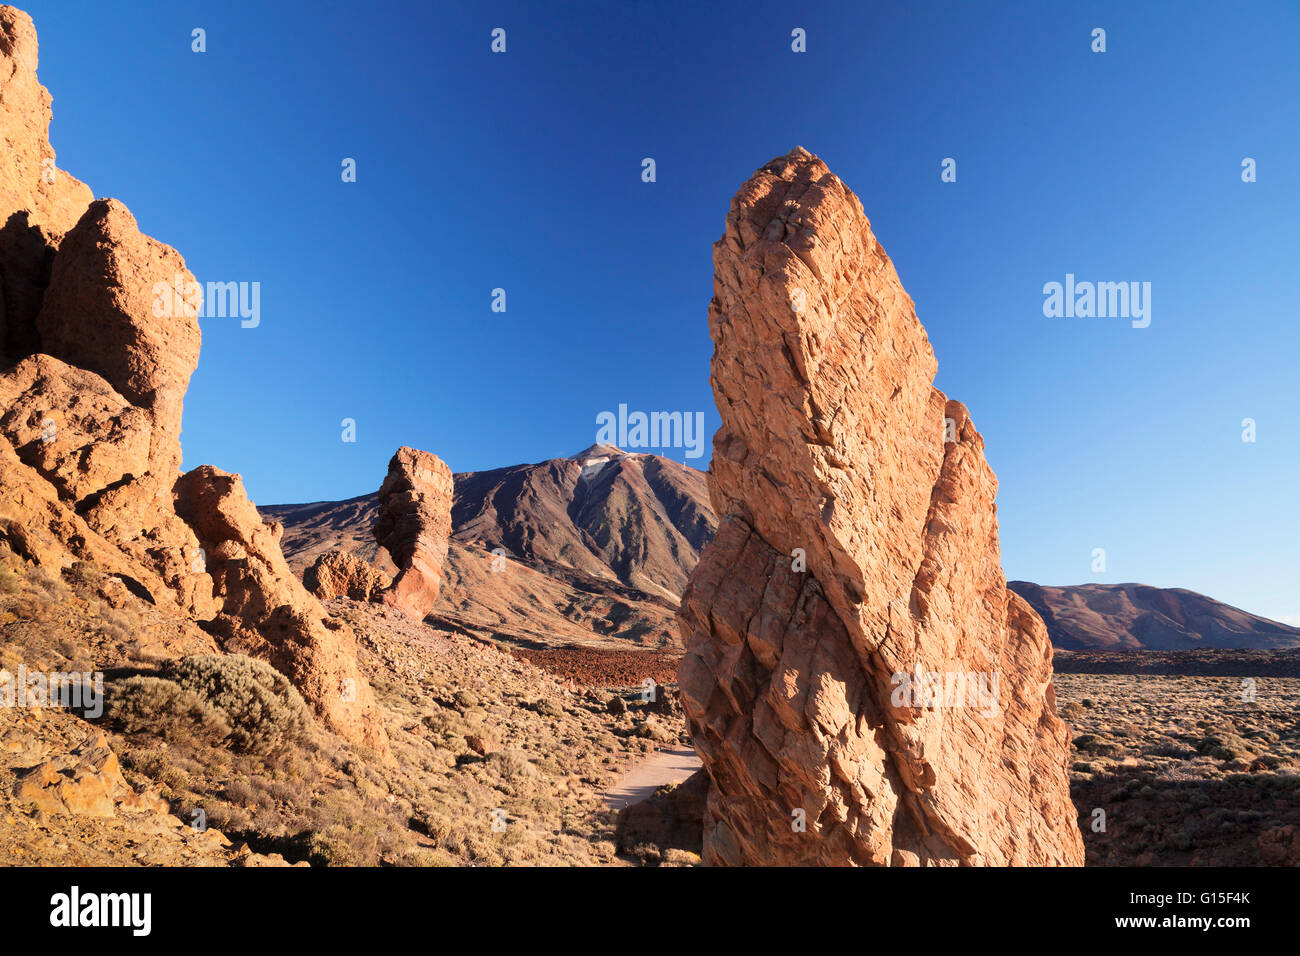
(522, 171)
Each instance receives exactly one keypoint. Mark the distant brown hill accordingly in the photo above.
(599, 544)
(1130, 617)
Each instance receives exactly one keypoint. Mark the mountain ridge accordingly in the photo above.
(601, 580)
(1140, 617)
(597, 545)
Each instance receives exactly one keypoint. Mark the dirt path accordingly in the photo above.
(670, 765)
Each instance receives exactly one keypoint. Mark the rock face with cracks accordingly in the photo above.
(92, 401)
(101, 313)
(338, 573)
(39, 202)
(414, 526)
(98, 339)
(265, 610)
(859, 682)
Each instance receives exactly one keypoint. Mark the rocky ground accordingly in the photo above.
(492, 762)
(602, 667)
(1186, 771)
(1207, 662)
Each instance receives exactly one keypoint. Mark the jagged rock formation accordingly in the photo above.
(414, 525)
(836, 450)
(94, 401)
(597, 548)
(100, 313)
(338, 573)
(86, 781)
(94, 364)
(265, 610)
(38, 201)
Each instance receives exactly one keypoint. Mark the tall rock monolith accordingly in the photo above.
(859, 682)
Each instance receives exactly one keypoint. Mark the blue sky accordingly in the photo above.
(522, 171)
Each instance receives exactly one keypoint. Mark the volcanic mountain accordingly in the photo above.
(1125, 617)
(600, 544)
(569, 550)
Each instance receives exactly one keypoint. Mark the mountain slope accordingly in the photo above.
(319, 526)
(598, 547)
(601, 544)
(636, 519)
(1138, 617)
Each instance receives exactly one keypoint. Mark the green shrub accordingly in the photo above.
(266, 713)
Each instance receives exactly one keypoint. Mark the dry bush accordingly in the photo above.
(266, 713)
(84, 576)
(51, 584)
(164, 708)
(512, 766)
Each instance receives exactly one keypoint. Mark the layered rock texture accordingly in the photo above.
(855, 564)
(98, 339)
(413, 525)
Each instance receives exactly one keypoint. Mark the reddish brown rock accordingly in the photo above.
(101, 312)
(140, 519)
(338, 573)
(87, 781)
(265, 611)
(414, 526)
(103, 322)
(45, 530)
(38, 201)
(837, 455)
(92, 447)
(72, 427)
(95, 406)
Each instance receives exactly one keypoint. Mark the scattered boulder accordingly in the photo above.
(651, 728)
(265, 611)
(338, 573)
(857, 561)
(87, 781)
(666, 700)
(414, 526)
